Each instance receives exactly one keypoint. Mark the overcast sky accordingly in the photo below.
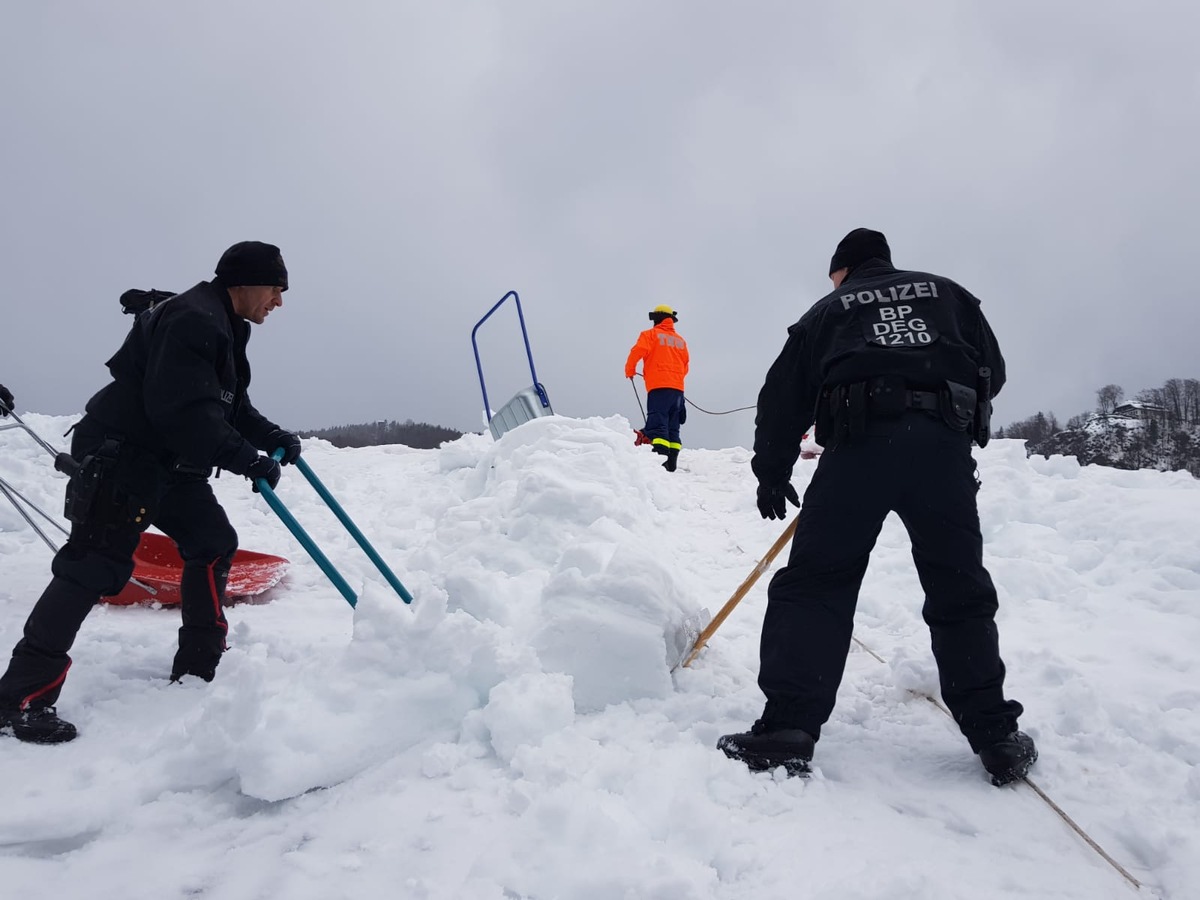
(416, 160)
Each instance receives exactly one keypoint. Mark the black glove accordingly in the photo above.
(288, 442)
(6, 398)
(264, 467)
(771, 499)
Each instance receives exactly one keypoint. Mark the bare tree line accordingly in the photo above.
(1176, 404)
(1179, 398)
(421, 435)
(1160, 429)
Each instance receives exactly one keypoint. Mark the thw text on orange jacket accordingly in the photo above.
(664, 356)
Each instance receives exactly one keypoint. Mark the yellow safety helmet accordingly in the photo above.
(662, 311)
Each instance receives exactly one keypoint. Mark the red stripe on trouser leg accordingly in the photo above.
(41, 692)
(216, 600)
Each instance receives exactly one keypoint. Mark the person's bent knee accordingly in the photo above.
(91, 571)
(219, 545)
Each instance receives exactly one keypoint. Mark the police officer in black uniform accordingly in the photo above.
(177, 406)
(898, 369)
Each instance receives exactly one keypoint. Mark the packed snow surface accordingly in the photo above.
(517, 732)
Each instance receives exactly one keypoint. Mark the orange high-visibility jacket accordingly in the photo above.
(664, 354)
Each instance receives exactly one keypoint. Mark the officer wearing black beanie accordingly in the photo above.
(178, 406)
(898, 369)
(252, 262)
(857, 247)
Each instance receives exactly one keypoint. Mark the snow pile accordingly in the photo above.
(517, 731)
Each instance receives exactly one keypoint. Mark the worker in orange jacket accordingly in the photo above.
(664, 356)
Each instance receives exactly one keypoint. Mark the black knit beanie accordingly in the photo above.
(252, 262)
(857, 247)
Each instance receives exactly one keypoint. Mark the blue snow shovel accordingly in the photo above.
(310, 545)
(530, 403)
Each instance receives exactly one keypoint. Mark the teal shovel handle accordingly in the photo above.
(301, 535)
(353, 529)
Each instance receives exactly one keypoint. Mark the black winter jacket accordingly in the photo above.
(880, 321)
(180, 381)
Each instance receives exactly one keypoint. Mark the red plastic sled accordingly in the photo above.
(158, 564)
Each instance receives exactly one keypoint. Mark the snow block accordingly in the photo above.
(616, 631)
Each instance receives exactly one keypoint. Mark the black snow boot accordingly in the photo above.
(1009, 758)
(202, 636)
(672, 460)
(762, 750)
(37, 725)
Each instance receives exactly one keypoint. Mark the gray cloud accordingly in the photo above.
(417, 160)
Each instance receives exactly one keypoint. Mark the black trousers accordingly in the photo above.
(97, 560)
(918, 468)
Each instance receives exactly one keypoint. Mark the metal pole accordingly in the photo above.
(638, 397)
(12, 494)
(33, 434)
(9, 491)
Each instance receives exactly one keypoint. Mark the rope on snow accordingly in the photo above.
(1037, 790)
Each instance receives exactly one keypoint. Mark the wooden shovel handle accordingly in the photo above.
(763, 565)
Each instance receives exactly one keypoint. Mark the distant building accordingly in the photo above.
(1136, 409)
